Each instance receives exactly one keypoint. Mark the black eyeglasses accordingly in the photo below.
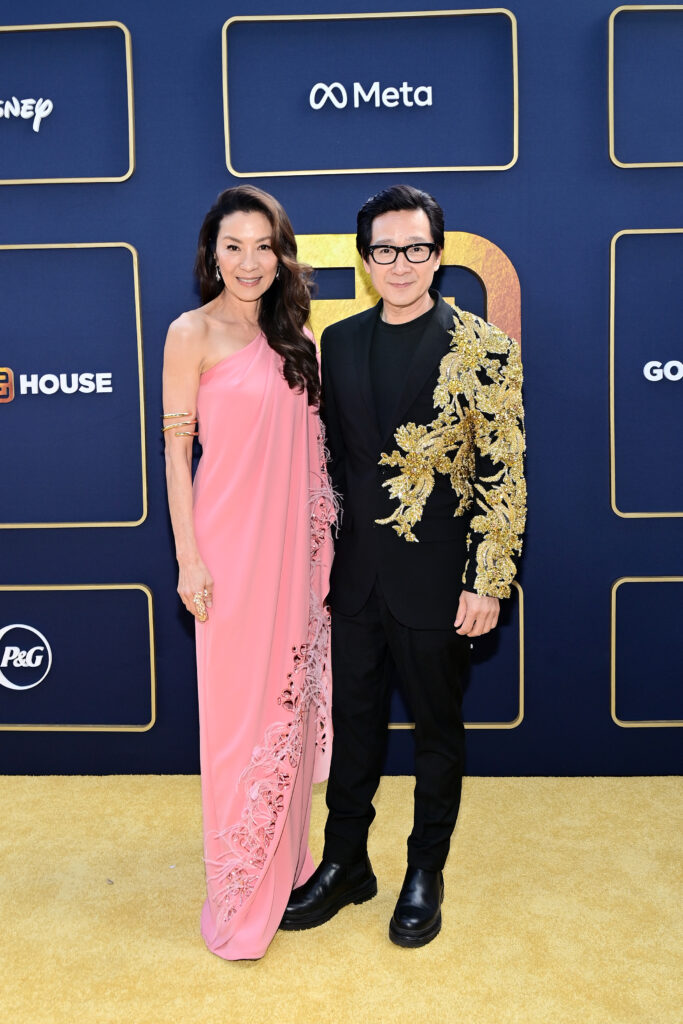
(419, 252)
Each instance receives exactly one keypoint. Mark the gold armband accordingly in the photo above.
(179, 423)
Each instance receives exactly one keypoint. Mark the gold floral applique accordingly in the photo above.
(477, 440)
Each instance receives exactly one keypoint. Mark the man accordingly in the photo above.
(422, 404)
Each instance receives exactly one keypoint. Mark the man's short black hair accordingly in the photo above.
(397, 197)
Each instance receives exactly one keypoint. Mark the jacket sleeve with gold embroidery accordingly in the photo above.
(495, 418)
(477, 439)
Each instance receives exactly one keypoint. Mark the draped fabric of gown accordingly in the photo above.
(262, 513)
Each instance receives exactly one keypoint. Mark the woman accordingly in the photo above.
(253, 548)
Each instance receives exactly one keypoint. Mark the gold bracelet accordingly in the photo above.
(172, 426)
(179, 423)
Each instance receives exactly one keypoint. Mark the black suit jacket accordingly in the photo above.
(422, 569)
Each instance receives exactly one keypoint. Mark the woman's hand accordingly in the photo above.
(195, 586)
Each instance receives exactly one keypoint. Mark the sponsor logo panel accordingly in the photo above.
(360, 93)
(644, 607)
(71, 386)
(66, 103)
(77, 657)
(645, 85)
(646, 374)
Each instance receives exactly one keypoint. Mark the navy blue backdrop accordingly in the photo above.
(600, 657)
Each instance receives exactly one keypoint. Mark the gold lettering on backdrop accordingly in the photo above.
(462, 249)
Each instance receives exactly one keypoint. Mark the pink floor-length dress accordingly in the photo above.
(262, 512)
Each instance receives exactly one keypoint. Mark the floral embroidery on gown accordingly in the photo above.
(263, 508)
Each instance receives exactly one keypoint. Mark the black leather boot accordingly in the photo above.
(330, 887)
(417, 917)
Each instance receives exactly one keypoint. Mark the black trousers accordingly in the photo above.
(432, 665)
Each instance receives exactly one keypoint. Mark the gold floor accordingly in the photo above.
(562, 905)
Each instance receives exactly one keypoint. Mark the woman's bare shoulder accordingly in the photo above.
(188, 331)
(189, 326)
(186, 341)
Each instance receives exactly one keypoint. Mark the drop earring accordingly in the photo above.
(277, 272)
(218, 273)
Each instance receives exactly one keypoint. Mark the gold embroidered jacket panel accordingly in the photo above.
(477, 440)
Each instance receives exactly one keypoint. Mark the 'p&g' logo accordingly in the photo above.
(25, 657)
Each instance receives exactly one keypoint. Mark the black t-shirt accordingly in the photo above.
(391, 351)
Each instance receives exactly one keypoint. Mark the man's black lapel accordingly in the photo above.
(364, 326)
(431, 348)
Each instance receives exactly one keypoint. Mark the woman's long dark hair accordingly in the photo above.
(285, 307)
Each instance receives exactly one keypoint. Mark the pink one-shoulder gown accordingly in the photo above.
(262, 513)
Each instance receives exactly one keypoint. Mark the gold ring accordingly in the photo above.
(199, 604)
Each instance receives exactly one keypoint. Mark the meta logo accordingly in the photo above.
(6, 384)
(655, 370)
(25, 657)
(405, 95)
(28, 109)
(52, 383)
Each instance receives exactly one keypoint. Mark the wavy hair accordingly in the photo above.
(286, 305)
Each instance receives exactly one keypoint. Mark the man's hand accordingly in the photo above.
(476, 615)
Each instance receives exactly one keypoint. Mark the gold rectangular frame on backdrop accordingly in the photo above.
(152, 663)
(621, 722)
(517, 720)
(358, 17)
(612, 414)
(610, 84)
(138, 326)
(129, 93)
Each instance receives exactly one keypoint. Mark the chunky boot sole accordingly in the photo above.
(410, 939)
(361, 894)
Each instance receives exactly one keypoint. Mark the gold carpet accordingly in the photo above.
(562, 905)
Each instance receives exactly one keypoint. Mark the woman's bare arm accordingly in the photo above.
(183, 357)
